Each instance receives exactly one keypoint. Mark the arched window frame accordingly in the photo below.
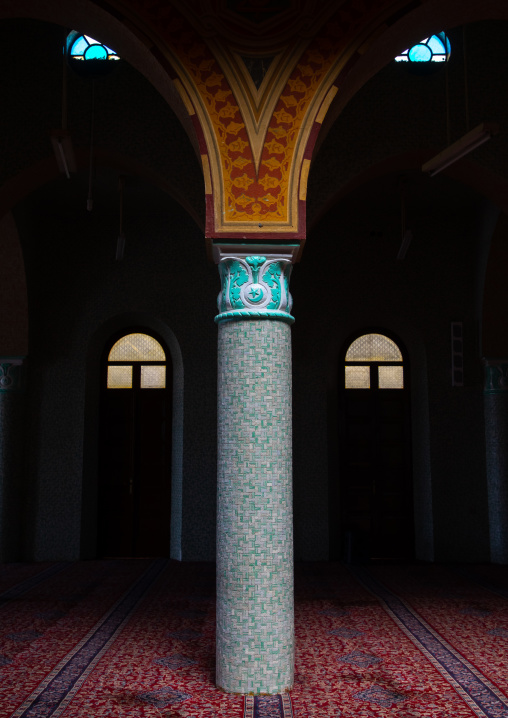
(137, 365)
(375, 364)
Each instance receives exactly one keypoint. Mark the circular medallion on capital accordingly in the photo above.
(254, 294)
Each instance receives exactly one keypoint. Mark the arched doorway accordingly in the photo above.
(376, 494)
(135, 447)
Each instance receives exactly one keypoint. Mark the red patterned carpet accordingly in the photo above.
(136, 638)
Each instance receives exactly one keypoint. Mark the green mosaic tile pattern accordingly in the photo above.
(255, 624)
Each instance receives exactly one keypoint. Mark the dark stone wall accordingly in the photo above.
(75, 287)
(348, 280)
(12, 474)
(13, 298)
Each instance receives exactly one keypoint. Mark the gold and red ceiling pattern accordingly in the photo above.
(256, 142)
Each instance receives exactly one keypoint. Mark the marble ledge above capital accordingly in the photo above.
(241, 250)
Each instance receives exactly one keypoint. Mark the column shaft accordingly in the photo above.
(255, 622)
(255, 638)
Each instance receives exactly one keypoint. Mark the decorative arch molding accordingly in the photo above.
(256, 159)
(255, 172)
(93, 365)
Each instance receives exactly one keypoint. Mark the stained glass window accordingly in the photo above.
(84, 47)
(374, 361)
(435, 48)
(88, 57)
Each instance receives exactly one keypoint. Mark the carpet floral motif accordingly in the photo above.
(345, 632)
(362, 660)
(162, 697)
(24, 636)
(503, 632)
(380, 696)
(175, 661)
(402, 647)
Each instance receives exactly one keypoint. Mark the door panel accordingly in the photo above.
(116, 474)
(376, 476)
(134, 474)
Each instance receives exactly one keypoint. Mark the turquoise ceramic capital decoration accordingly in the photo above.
(254, 287)
(11, 374)
(496, 376)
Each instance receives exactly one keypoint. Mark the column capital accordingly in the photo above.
(254, 281)
(496, 376)
(11, 374)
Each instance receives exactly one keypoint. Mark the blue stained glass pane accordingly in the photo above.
(79, 46)
(436, 45)
(96, 52)
(420, 53)
(110, 51)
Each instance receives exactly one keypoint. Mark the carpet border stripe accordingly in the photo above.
(81, 660)
(249, 710)
(399, 609)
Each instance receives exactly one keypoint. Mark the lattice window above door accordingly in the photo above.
(374, 361)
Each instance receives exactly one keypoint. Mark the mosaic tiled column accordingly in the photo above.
(12, 408)
(255, 626)
(496, 443)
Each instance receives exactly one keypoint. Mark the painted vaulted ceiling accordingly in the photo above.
(257, 78)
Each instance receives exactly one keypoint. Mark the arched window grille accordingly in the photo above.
(136, 360)
(374, 361)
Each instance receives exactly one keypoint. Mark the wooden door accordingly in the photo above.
(135, 465)
(376, 496)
